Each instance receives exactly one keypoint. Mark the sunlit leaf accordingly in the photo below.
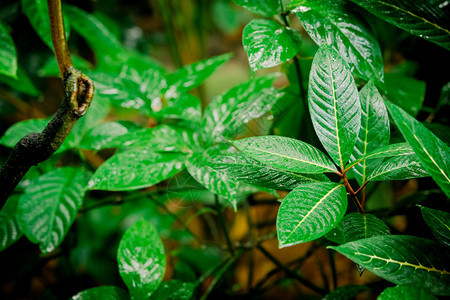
(174, 290)
(309, 212)
(102, 293)
(399, 168)
(439, 223)
(8, 54)
(397, 149)
(106, 135)
(266, 8)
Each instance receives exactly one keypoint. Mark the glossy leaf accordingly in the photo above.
(252, 171)
(37, 13)
(102, 293)
(106, 135)
(431, 151)
(397, 149)
(21, 129)
(345, 292)
(399, 168)
(406, 92)
(334, 104)
(174, 290)
(403, 260)
(374, 131)
(8, 54)
(439, 223)
(428, 21)
(286, 154)
(49, 206)
(142, 261)
(220, 115)
(135, 169)
(356, 226)
(269, 44)
(185, 106)
(337, 24)
(309, 212)
(266, 8)
(22, 83)
(406, 291)
(9, 227)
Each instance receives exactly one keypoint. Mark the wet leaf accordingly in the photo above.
(8, 54)
(439, 223)
(102, 293)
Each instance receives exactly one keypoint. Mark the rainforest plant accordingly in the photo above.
(319, 147)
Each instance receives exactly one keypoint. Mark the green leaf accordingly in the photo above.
(286, 154)
(397, 149)
(406, 92)
(142, 261)
(337, 24)
(102, 293)
(439, 223)
(191, 76)
(399, 168)
(22, 83)
(266, 8)
(49, 206)
(428, 21)
(50, 67)
(356, 226)
(106, 135)
(309, 212)
(345, 292)
(185, 106)
(431, 151)
(405, 292)
(174, 290)
(334, 104)
(269, 44)
(8, 54)
(21, 129)
(37, 13)
(135, 169)
(374, 131)
(9, 227)
(254, 172)
(403, 259)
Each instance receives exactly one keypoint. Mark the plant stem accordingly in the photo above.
(223, 225)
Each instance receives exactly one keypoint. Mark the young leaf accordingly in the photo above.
(9, 227)
(334, 104)
(356, 226)
(49, 206)
(8, 54)
(386, 151)
(431, 151)
(142, 261)
(101, 293)
(399, 168)
(402, 260)
(135, 169)
(337, 24)
(174, 290)
(406, 291)
(374, 131)
(439, 223)
(345, 292)
(185, 106)
(286, 154)
(107, 135)
(254, 172)
(269, 44)
(309, 212)
(406, 92)
(265, 8)
(21, 129)
(428, 21)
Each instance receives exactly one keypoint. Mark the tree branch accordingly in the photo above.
(78, 92)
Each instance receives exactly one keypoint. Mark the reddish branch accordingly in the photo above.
(78, 92)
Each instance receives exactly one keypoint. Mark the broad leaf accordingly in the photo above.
(337, 24)
(334, 104)
(37, 13)
(406, 92)
(21, 129)
(22, 83)
(8, 54)
(428, 21)
(252, 171)
(439, 223)
(386, 151)
(174, 290)
(142, 261)
(374, 131)
(406, 291)
(286, 154)
(102, 293)
(399, 168)
(107, 135)
(49, 206)
(9, 227)
(309, 212)
(266, 8)
(356, 226)
(269, 44)
(135, 169)
(403, 260)
(431, 151)
(345, 292)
